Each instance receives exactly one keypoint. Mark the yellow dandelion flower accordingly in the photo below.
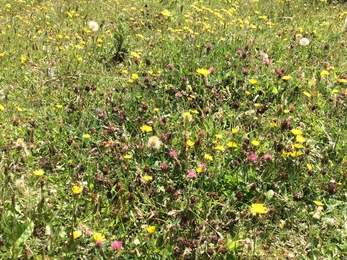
(287, 77)
(298, 146)
(234, 130)
(218, 136)
(76, 234)
(300, 139)
(199, 170)
(150, 229)
(166, 13)
(147, 178)
(203, 72)
(273, 124)
(208, 157)
(309, 167)
(324, 73)
(146, 128)
(127, 156)
(232, 144)
(134, 76)
(307, 94)
(86, 136)
(76, 189)
(2, 107)
(39, 172)
(252, 81)
(98, 236)
(258, 208)
(58, 106)
(342, 81)
(190, 143)
(255, 143)
(296, 131)
(187, 116)
(2, 54)
(19, 109)
(318, 203)
(220, 148)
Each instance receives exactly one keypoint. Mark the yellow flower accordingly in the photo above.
(218, 136)
(151, 229)
(76, 234)
(298, 146)
(309, 167)
(296, 154)
(2, 54)
(255, 142)
(19, 109)
(199, 170)
(258, 208)
(22, 59)
(296, 131)
(203, 72)
(300, 139)
(86, 136)
(166, 13)
(342, 81)
(58, 106)
(187, 116)
(2, 107)
(39, 172)
(273, 124)
(252, 81)
(190, 143)
(232, 144)
(318, 203)
(98, 237)
(324, 73)
(155, 110)
(134, 76)
(307, 94)
(287, 77)
(208, 157)
(127, 156)
(146, 128)
(77, 189)
(220, 148)
(147, 178)
(234, 130)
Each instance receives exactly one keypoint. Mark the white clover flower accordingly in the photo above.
(93, 26)
(304, 42)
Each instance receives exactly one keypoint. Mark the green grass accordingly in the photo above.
(162, 158)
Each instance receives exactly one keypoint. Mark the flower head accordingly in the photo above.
(93, 26)
(203, 72)
(252, 81)
(258, 208)
(154, 142)
(77, 190)
(39, 172)
(150, 229)
(304, 42)
(98, 237)
(116, 245)
(76, 234)
(191, 174)
(146, 128)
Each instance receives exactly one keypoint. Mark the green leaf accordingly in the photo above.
(23, 237)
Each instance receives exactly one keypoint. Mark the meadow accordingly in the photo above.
(211, 129)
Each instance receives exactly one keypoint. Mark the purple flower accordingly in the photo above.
(191, 174)
(267, 62)
(116, 245)
(267, 157)
(170, 66)
(252, 157)
(212, 70)
(89, 233)
(136, 61)
(342, 43)
(164, 167)
(239, 52)
(184, 79)
(208, 49)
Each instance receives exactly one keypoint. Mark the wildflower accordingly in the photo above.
(58, 106)
(267, 157)
(164, 167)
(286, 77)
(296, 131)
(318, 203)
(232, 144)
(170, 66)
(147, 178)
(77, 190)
(203, 72)
(298, 146)
(240, 53)
(154, 142)
(98, 237)
(324, 73)
(187, 116)
(304, 42)
(146, 128)
(134, 76)
(199, 169)
(307, 94)
(208, 157)
(173, 154)
(150, 229)
(86, 136)
(190, 143)
(39, 172)
(89, 233)
(2, 107)
(99, 244)
(127, 156)
(220, 148)
(234, 130)
(76, 234)
(300, 139)
(136, 241)
(273, 124)
(309, 167)
(19, 109)
(252, 157)
(258, 208)
(191, 174)
(166, 13)
(252, 81)
(255, 142)
(342, 81)
(93, 26)
(342, 43)
(212, 70)
(116, 245)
